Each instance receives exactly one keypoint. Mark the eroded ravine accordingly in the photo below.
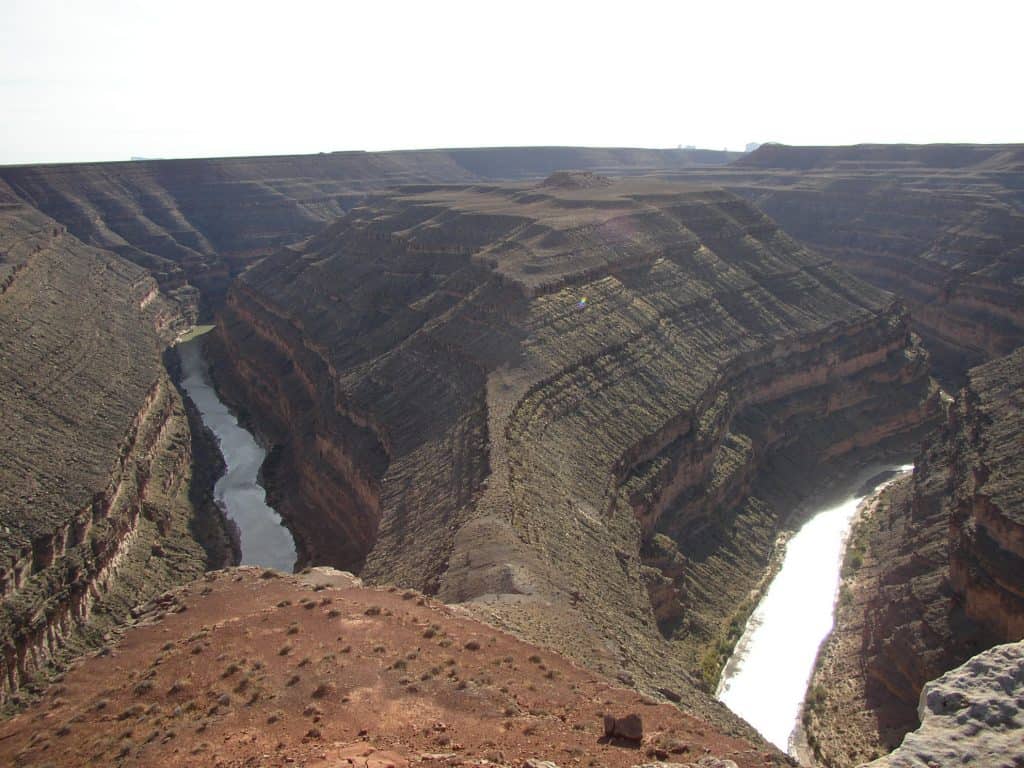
(766, 678)
(264, 540)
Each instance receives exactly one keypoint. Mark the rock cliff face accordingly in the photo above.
(551, 402)
(106, 486)
(194, 223)
(97, 455)
(941, 226)
(987, 544)
(941, 573)
(971, 715)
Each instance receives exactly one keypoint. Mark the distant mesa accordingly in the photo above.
(576, 180)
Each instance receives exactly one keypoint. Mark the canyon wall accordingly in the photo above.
(941, 226)
(195, 223)
(553, 403)
(937, 576)
(576, 407)
(97, 459)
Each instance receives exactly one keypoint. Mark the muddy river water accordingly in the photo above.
(766, 679)
(265, 541)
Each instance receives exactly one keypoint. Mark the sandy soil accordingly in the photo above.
(254, 668)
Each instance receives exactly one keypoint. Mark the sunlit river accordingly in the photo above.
(766, 679)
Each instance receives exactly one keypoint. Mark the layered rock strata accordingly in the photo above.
(938, 225)
(97, 457)
(550, 403)
(194, 223)
(938, 576)
(941, 226)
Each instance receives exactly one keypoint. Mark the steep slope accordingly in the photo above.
(241, 669)
(193, 223)
(942, 226)
(942, 575)
(551, 402)
(96, 465)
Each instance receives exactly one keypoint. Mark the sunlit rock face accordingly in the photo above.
(551, 402)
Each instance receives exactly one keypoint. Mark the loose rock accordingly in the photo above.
(630, 727)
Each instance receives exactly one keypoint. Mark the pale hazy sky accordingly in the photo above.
(105, 80)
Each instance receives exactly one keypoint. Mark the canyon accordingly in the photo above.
(551, 403)
(940, 226)
(940, 573)
(579, 409)
(193, 224)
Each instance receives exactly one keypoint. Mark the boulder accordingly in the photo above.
(670, 694)
(969, 716)
(715, 762)
(630, 727)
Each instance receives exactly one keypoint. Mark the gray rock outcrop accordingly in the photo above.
(972, 715)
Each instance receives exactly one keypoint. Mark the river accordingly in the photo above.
(766, 678)
(265, 541)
